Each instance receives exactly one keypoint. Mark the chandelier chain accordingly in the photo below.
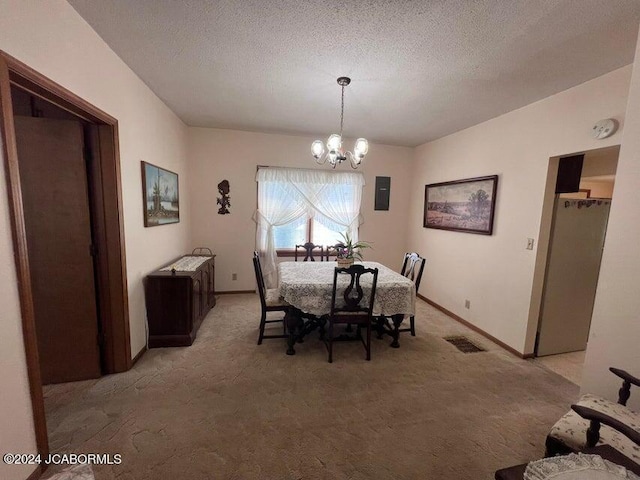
(342, 111)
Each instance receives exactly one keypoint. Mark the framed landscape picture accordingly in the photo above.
(160, 196)
(461, 205)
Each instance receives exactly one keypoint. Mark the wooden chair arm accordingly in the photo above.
(627, 377)
(625, 391)
(596, 418)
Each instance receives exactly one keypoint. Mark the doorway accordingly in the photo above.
(577, 235)
(55, 183)
(46, 113)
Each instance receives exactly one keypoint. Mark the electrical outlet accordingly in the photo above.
(529, 243)
(234, 276)
(467, 304)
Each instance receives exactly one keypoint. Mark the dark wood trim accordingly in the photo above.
(474, 328)
(37, 473)
(139, 355)
(111, 245)
(114, 248)
(20, 249)
(28, 79)
(234, 292)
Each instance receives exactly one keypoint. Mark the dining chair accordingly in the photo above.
(348, 304)
(270, 301)
(308, 250)
(330, 251)
(412, 268)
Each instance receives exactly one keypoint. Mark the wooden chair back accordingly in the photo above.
(412, 268)
(330, 251)
(308, 249)
(353, 294)
(259, 279)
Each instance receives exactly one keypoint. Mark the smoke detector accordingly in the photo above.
(604, 128)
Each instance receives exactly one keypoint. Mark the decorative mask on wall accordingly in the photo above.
(224, 200)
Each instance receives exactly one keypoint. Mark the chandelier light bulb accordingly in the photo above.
(362, 147)
(334, 142)
(317, 149)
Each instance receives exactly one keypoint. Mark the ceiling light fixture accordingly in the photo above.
(335, 154)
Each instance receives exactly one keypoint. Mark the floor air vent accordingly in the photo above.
(464, 344)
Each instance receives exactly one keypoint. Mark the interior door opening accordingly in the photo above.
(77, 170)
(56, 188)
(577, 237)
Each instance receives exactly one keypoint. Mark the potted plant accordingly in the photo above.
(348, 250)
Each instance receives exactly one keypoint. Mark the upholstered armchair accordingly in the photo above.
(595, 421)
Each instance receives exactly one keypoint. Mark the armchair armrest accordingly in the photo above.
(625, 391)
(596, 418)
(627, 377)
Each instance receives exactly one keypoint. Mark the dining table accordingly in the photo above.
(308, 286)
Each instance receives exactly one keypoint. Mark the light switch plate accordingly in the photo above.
(529, 243)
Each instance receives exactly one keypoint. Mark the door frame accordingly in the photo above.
(543, 248)
(110, 266)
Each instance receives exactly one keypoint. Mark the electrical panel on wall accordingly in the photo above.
(383, 189)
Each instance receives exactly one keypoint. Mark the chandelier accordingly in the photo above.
(335, 154)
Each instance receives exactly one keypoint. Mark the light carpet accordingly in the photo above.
(225, 408)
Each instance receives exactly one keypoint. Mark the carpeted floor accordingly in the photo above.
(226, 408)
(567, 365)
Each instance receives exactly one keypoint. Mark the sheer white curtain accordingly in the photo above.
(285, 194)
(279, 204)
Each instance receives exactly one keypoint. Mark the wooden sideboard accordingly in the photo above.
(177, 302)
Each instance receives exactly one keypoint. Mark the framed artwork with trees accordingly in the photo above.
(159, 195)
(461, 205)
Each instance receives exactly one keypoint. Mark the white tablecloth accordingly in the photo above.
(308, 287)
(576, 466)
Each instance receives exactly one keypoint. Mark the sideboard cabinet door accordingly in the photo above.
(211, 290)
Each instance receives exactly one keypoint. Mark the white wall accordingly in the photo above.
(614, 339)
(599, 171)
(215, 155)
(603, 161)
(496, 272)
(54, 40)
(598, 189)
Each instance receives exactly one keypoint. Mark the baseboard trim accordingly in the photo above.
(474, 328)
(36, 474)
(138, 356)
(235, 292)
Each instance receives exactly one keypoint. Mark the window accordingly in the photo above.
(307, 230)
(291, 234)
(297, 206)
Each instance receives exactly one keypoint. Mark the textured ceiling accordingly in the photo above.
(420, 69)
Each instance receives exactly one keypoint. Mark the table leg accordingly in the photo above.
(293, 320)
(380, 327)
(397, 320)
(321, 324)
